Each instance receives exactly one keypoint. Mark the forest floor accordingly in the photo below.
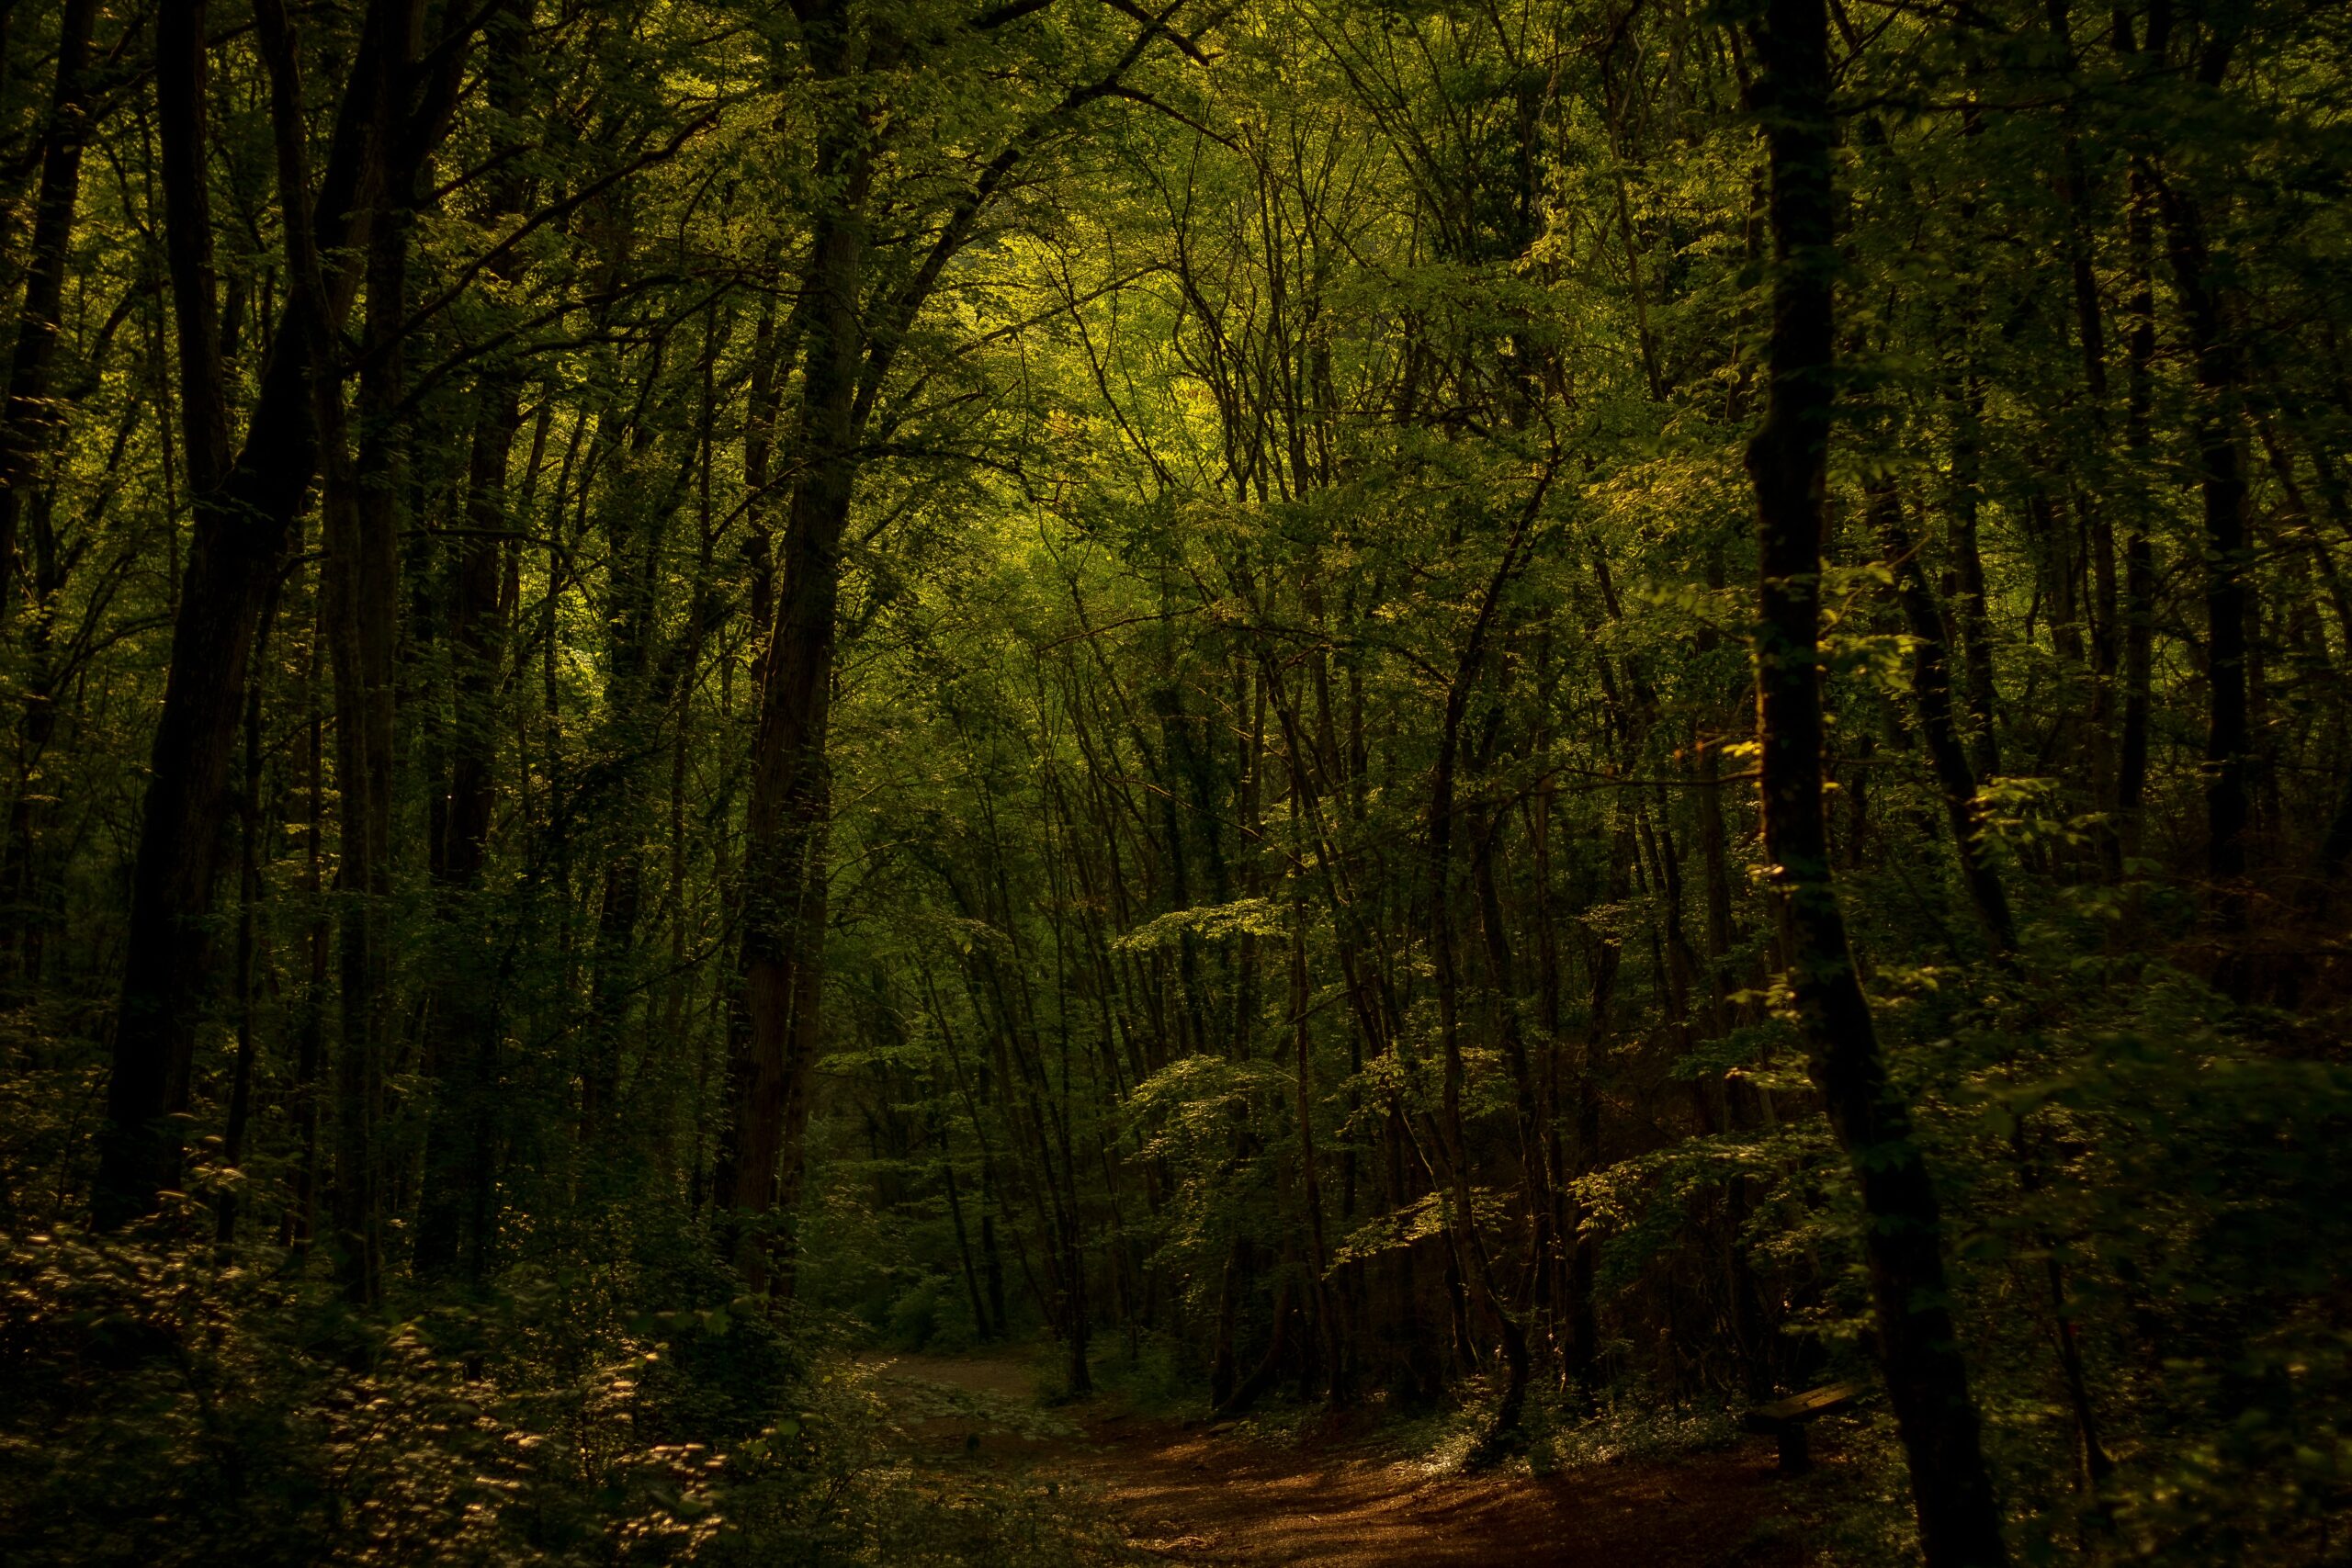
(1340, 1494)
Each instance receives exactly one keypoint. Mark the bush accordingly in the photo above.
(170, 1408)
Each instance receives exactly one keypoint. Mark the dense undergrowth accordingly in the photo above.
(171, 1404)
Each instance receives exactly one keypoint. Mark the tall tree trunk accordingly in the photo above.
(249, 888)
(2228, 546)
(1454, 1166)
(1960, 1524)
(2139, 553)
(1536, 1177)
(242, 528)
(455, 1214)
(462, 1051)
(362, 574)
(1602, 957)
(300, 1221)
(1327, 1305)
(2092, 509)
(772, 1018)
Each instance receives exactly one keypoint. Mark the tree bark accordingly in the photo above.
(455, 1214)
(362, 578)
(1960, 1523)
(773, 1017)
(249, 892)
(241, 531)
(1453, 1156)
(2228, 548)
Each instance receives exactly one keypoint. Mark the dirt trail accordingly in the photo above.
(1191, 1495)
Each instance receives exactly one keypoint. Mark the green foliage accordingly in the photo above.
(171, 1409)
(1281, 746)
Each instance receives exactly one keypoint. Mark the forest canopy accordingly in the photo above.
(1540, 708)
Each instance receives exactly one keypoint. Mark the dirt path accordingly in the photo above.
(1189, 1494)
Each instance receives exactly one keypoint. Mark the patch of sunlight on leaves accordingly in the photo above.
(1554, 1437)
(1209, 923)
(1427, 1217)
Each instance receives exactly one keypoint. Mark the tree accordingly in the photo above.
(1960, 1524)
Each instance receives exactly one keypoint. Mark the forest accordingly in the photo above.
(1473, 731)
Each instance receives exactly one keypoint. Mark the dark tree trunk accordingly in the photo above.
(301, 1220)
(772, 1022)
(1960, 1524)
(1600, 1004)
(2228, 548)
(362, 575)
(2139, 553)
(983, 1326)
(1324, 1301)
(249, 888)
(241, 530)
(456, 1212)
(1449, 1145)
